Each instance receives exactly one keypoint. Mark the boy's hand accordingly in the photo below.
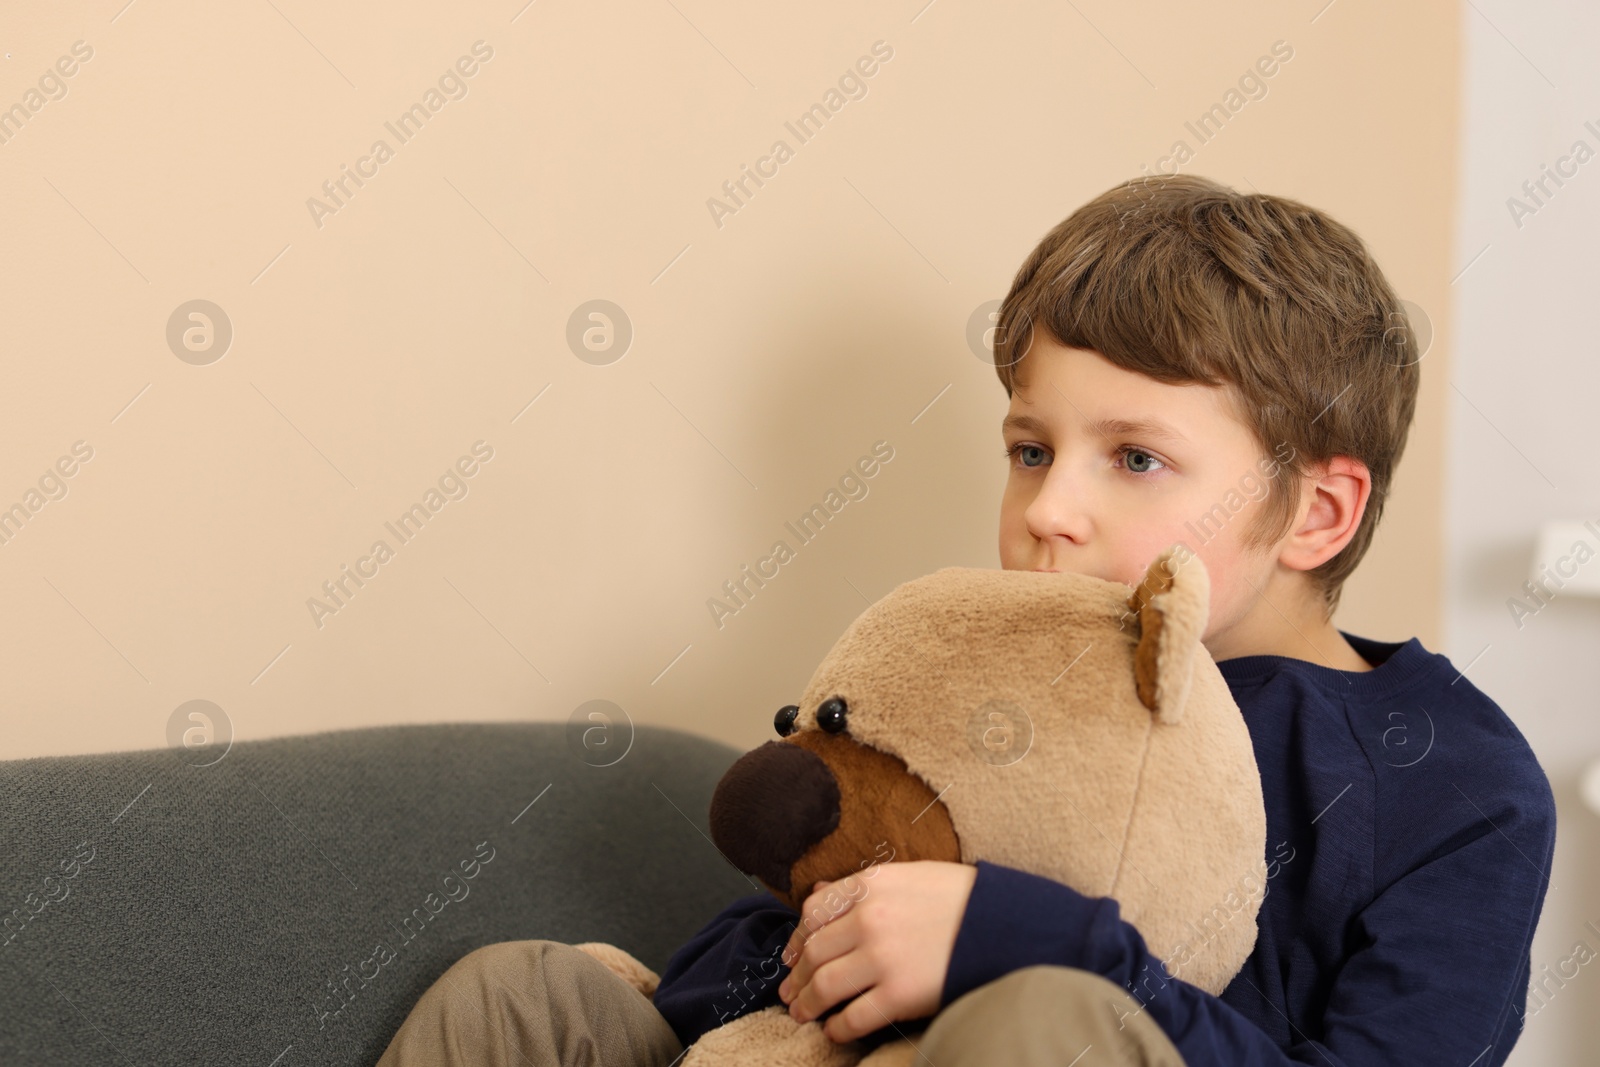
(886, 933)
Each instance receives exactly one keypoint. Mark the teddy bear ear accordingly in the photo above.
(1172, 602)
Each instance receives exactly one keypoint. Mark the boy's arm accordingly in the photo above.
(730, 968)
(1438, 973)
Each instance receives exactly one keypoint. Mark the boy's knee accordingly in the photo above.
(533, 966)
(1034, 1014)
(1029, 990)
(1094, 999)
(502, 954)
(487, 962)
(531, 1002)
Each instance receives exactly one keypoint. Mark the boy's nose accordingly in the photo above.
(1059, 511)
(771, 806)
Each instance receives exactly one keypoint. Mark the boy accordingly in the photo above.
(1185, 364)
(1176, 352)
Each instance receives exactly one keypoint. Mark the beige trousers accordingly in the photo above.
(546, 1004)
(1038, 1016)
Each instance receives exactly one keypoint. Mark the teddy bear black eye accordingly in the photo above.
(831, 715)
(783, 722)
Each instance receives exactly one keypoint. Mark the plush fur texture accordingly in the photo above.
(1054, 723)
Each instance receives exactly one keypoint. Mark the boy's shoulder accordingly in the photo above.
(1437, 755)
(1411, 694)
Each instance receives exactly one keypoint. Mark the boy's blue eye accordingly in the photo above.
(1130, 453)
(1013, 450)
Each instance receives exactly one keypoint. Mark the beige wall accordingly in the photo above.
(372, 347)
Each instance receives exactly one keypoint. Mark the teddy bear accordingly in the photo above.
(1055, 723)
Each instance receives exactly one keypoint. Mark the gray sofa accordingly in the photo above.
(288, 904)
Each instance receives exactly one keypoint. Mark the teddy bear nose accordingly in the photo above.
(772, 805)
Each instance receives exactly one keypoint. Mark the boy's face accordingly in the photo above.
(1105, 502)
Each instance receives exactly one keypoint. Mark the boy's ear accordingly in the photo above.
(1172, 602)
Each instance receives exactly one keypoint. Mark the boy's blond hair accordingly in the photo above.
(1183, 279)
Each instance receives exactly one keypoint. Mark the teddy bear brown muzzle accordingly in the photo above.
(818, 806)
(771, 807)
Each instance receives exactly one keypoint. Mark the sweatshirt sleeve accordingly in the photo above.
(1438, 959)
(730, 968)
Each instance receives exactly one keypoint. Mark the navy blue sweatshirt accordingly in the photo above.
(1410, 832)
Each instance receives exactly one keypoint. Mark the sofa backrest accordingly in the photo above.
(289, 903)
